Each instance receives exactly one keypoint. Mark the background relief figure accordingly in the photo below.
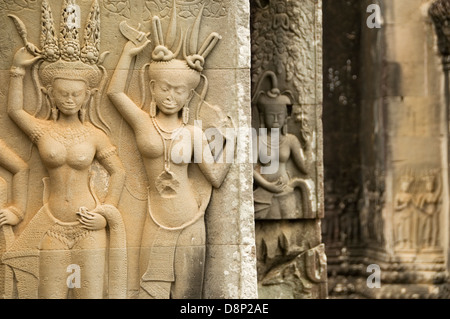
(275, 197)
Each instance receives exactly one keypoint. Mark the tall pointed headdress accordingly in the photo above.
(267, 93)
(65, 56)
(167, 49)
(272, 94)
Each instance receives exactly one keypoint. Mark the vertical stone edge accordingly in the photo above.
(236, 278)
(319, 105)
(318, 29)
(248, 286)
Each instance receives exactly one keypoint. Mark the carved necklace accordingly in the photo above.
(69, 136)
(267, 141)
(167, 183)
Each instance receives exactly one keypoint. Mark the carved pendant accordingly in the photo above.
(167, 184)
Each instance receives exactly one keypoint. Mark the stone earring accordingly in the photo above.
(185, 115)
(83, 114)
(153, 109)
(284, 129)
(83, 110)
(55, 113)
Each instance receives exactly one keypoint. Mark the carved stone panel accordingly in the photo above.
(286, 74)
(118, 109)
(417, 212)
(288, 172)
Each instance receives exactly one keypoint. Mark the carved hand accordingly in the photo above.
(23, 58)
(7, 217)
(132, 49)
(277, 187)
(91, 220)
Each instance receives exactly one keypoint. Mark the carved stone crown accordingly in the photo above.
(407, 178)
(430, 175)
(66, 58)
(72, 71)
(168, 48)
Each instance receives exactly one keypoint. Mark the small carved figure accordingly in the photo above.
(281, 19)
(331, 223)
(278, 194)
(172, 258)
(404, 214)
(73, 226)
(349, 217)
(428, 202)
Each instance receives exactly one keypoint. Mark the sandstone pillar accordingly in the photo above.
(400, 225)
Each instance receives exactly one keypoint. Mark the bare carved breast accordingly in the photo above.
(74, 148)
(152, 146)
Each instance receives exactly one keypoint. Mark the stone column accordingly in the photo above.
(404, 211)
(287, 99)
(439, 12)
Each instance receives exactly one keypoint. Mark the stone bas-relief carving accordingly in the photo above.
(279, 195)
(188, 9)
(81, 215)
(12, 209)
(173, 243)
(417, 211)
(73, 226)
(288, 268)
(428, 202)
(163, 8)
(281, 42)
(287, 176)
(405, 230)
(17, 5)
(121, 7)
(404, 209)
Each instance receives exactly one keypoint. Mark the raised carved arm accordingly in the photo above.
(27, 122)
(116, 90)
(107, 156)
(297, 152)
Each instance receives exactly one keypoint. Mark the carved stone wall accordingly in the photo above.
(126, 170)
(287, 104)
